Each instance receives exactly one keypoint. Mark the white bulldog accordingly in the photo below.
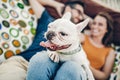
(63, 42)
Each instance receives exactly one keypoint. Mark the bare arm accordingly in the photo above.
(51, 3)
(38, 6)
(104, 74)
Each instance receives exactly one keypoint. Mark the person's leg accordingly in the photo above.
(41, 67)
(70, 71)
(14, 68)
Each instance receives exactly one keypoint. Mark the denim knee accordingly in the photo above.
(41, 67)
(70, 70)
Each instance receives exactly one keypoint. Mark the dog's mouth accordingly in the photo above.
(54, 47)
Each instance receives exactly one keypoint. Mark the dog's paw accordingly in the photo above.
(54, 57)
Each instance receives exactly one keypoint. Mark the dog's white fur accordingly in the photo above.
(72, 30)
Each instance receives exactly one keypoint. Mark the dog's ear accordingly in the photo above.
(80, 26)
(67, 16)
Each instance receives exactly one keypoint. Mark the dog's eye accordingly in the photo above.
(49, 26)
(63, 34)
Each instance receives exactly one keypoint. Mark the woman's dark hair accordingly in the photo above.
(108, 37)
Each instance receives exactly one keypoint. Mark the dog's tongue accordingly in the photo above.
(48, 45)
(53, 47)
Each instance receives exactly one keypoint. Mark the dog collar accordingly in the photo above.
(71, 52)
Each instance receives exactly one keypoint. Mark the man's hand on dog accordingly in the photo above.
(54, 57)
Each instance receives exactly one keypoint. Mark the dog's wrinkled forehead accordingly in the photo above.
(67, 24)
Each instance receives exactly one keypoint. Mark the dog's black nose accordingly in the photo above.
(50, 35)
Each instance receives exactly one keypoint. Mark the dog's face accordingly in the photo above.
(63, 35)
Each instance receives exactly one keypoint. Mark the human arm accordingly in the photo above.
(38, 6)
(52, 3)
(106, 70)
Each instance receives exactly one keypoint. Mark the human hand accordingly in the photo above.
(54, 57)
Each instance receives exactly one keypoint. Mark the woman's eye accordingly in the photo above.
(100, 24)
(63, 34)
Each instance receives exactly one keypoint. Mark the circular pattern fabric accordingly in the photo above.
(116, 67)
(17, 27)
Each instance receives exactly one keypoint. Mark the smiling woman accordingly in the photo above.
(92, 7)
(97, 46)
(103, 26)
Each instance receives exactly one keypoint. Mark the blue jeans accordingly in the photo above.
(42, 68)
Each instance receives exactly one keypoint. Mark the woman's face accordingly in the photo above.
(98, 26)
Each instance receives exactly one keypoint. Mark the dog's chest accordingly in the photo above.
(78, 57)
